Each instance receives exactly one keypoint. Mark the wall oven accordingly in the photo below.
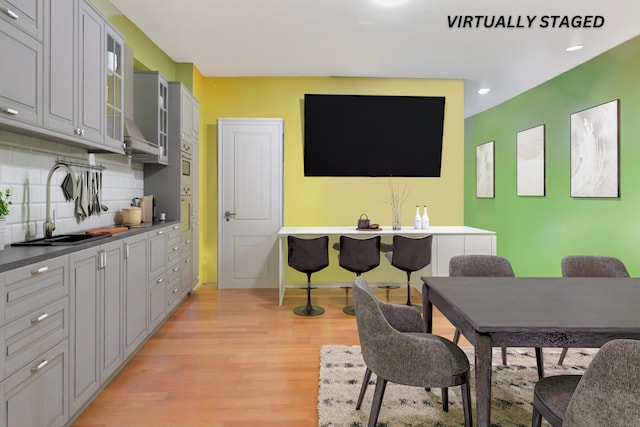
(186, 183)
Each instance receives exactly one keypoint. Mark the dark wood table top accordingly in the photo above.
(493, 304)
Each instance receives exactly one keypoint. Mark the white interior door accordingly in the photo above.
(249, 202)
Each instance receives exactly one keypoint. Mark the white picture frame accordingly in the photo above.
(530, 162)
(594, 151)
(485, 170)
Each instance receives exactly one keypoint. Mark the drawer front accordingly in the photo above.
(35, 286)
(173, 234)
(32, 396)
(174, 254)
(33, 334)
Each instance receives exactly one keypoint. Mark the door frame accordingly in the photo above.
(279, 167)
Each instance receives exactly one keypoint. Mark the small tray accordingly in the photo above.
(369, 229)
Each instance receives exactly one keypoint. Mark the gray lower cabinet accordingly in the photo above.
(157, 276)
(34, 336)
(69, 323)
(95, 297)
(135, 292)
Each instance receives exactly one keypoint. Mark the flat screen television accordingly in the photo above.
(373, 135)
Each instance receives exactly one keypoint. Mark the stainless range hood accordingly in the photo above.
(136, 145)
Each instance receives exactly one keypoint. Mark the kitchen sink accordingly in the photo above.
(63, 240)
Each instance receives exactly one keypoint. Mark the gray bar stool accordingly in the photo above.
(308, 256)
(358, 256)
(409, 255)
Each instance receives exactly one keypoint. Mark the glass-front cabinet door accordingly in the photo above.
(115, 88)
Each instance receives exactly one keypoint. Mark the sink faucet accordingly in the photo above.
(50, 224)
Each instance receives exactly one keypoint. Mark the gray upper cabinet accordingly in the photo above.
(91, 105)
(21, 66)
(59, 85)
(151, 112)
(189, 116)
(114, 102)
(61, 75)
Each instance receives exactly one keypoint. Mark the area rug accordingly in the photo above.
(342, 370)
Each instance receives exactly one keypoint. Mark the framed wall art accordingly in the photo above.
(485, 170)
(594, 151)
(530, 149)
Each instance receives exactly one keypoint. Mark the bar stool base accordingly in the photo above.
(304, 310)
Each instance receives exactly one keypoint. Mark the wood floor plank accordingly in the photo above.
(233, 358)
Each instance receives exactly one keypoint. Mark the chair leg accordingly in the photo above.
(308, 310)
(363, 388)
(504, 356)
(381, 384)
(562, 355)
(536, 418)
(445, 399)
(540, 363)
(417, 307)
(456, 336)
(466, 404)
(349, 309)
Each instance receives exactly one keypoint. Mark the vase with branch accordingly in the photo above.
(397, 196)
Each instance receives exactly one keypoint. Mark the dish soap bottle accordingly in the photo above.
(425, 219)
(417, 221)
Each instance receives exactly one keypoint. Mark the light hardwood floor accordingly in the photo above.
(233, 358)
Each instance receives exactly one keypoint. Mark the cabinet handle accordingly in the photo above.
(39, 366)
(160, 280)
(187, 261)
(104, 259)
(188, 242)
(39, 318)
(10, 13)
(175, 269)
(126, 250)
(161, 232)
(175, 227)
(175, 248)
(11, 111)
(40, 270)
(175, 290)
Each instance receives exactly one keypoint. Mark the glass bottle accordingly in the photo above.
(417, 221)
(425, 219)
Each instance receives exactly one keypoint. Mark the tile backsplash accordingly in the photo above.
(24, 165)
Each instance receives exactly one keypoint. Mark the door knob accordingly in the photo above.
(228, 215)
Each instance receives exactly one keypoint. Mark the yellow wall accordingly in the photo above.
(312, 201)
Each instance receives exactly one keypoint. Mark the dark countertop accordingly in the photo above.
(13, 257)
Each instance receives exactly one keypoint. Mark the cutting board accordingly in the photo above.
(107, 230)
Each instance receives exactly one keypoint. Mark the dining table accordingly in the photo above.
(534, 312)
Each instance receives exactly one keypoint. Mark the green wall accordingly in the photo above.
(534, 233)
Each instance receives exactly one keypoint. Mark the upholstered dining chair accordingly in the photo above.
(415, 359)
(590, 266)
(606, 395)
(486, 266)
(358, 256)
(308, 256)
(410, 254)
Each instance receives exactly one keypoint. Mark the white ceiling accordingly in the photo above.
(359, 38)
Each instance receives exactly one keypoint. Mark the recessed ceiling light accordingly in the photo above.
(484, 90)
(574, 47)
(389, 3)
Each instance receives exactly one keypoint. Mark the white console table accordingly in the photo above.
(447, 242)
